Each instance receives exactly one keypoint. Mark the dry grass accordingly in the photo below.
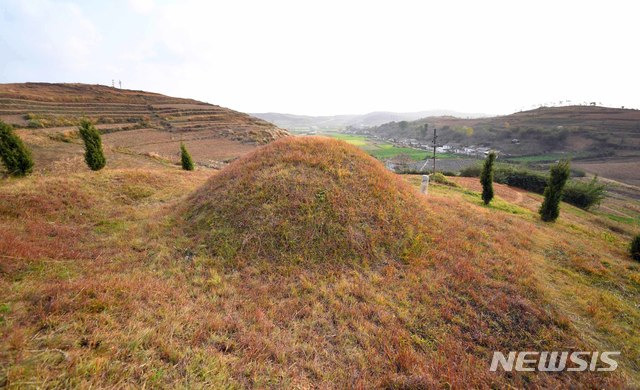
(100, 287)
(309, 200)
(204, 146)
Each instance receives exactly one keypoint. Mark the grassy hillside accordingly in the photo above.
(579, 130)
(124, 278)
(134, 121)
(599, 140)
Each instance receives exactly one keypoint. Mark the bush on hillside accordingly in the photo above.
(634, 248)
(471, 171)
(93, 155)
(513, 176)
(550, 209)
(527, 180)
(185, 158)
(584, 195)
(575, 172)
(14, 154)
(577, 193)
(35, 124)
(486, 178)
(442, 179)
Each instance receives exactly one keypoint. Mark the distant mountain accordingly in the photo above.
(336, 122)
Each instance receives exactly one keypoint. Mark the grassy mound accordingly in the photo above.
(101, 288)
(312, 200)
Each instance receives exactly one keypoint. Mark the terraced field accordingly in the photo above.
(134, 121)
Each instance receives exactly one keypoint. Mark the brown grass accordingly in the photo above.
(309, 200)
(100, 287)
(204, 146)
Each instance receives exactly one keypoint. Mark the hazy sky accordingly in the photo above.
(332, 57)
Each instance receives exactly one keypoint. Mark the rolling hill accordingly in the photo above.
(588, 131)
(599, 140)
(133, 121)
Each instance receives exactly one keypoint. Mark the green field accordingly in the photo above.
(383, 150)
(358, 140)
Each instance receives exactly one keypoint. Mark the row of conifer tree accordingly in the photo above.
(550, 208)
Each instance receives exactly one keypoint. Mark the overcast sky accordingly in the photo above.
(334, 57)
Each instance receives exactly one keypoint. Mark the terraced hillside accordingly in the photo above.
(134, 121)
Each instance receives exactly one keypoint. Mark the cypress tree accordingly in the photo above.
(187, 162)
(14, 154)
(93, 154)
(634, 248)
(550, 209)
(486, 178)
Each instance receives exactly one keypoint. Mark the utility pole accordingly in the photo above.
(113, 83)
(120, 83)
(435, 137)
